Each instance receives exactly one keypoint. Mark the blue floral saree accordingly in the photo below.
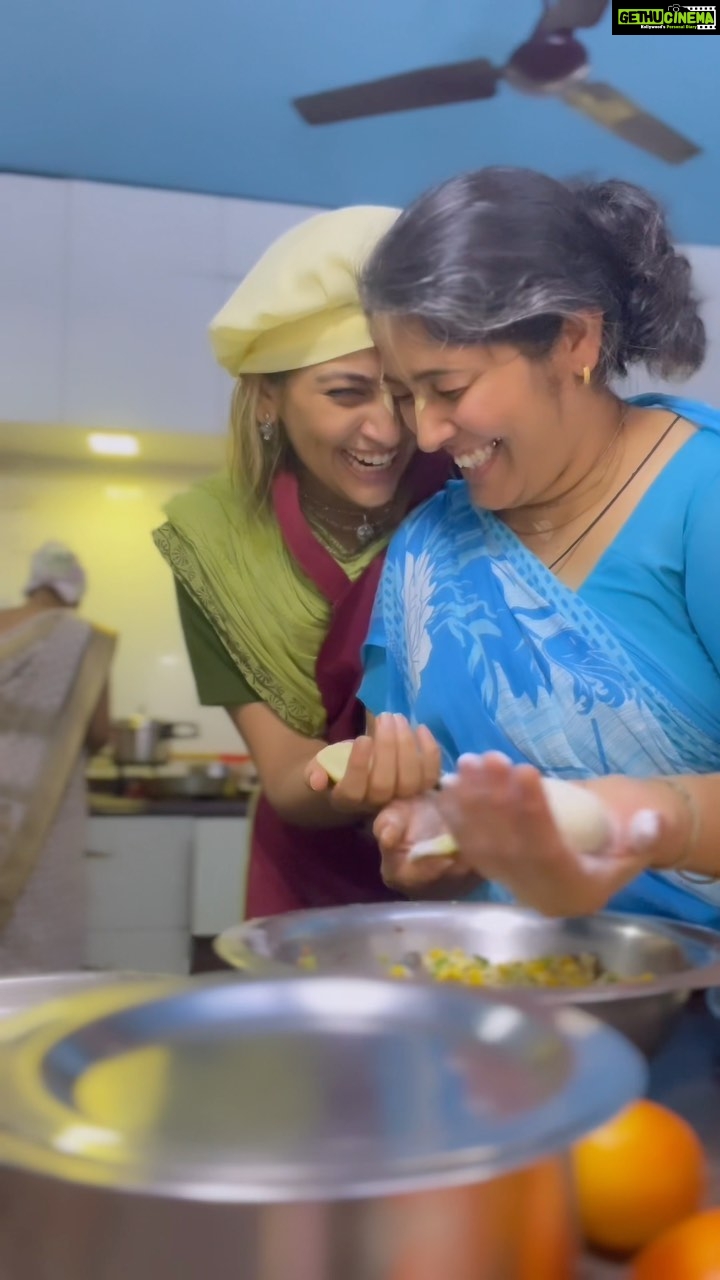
(473, 636)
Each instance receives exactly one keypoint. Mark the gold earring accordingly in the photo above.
(586, 375)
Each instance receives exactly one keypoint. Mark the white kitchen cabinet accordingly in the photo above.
(139, 873)
(154, 881)
(138, 884)
(139, 950)
(220, 857)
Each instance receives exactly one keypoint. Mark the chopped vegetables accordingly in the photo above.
(546, 971)
(460, 966)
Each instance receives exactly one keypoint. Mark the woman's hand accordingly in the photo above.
(405, 823)
(500, 819)
(396, 762)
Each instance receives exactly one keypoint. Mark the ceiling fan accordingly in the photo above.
(551, 63)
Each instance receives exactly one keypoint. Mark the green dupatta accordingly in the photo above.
(231, 558)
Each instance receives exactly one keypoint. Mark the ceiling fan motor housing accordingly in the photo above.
(548, 60)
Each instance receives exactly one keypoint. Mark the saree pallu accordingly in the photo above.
(484, 645)
(53, 669)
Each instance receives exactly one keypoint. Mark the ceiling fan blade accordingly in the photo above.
(570, 15)
(614, 111)
(429, 87)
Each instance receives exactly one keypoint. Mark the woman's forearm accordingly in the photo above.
(689, 805)
(281, 756)
(693, 842)
(294, 801)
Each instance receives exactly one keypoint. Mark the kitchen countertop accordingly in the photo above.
(108, 806)
(685, 1076)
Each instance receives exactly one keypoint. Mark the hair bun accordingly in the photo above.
(661, 324)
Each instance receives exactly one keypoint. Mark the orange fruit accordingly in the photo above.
(636, 1176)
(690, 1251)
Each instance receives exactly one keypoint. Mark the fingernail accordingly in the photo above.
(471, 758)
(645, 827)
(447, 780)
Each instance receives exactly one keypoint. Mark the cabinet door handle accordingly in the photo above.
(97, 853)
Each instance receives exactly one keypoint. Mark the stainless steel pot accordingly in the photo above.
(303, 1129)
(366, 940)
(200, 782)
(140, 740)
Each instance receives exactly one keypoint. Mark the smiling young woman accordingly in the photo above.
(276, 563)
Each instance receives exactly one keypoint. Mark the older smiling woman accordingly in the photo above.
(558, 610)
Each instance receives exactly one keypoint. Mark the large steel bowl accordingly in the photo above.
(305, 1129)
(366, 940)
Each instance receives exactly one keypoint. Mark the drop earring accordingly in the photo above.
(267, 428)
(586, 375)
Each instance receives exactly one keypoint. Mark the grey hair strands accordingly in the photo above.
(506, 255)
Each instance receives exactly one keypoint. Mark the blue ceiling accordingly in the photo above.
(195, 95)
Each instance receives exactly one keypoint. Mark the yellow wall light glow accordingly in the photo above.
(113, 445)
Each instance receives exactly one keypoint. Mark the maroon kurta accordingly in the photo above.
(296, 867)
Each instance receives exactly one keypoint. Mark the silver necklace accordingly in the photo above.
(365, 531)
(329, 517)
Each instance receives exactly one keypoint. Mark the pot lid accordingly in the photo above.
(309, 1087)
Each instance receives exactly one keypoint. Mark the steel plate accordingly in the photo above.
(304, 1088)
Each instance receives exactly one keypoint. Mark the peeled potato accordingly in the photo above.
(580, 817)
(335, 758)
(443, 846)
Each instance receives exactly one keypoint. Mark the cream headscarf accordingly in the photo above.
(299, 305)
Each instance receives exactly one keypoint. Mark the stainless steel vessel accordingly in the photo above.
(298, 1129)
(199, 781)
(367, 939)
(142, 740)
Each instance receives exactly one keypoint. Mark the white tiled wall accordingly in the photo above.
(34, 227)
(107, 520)
(106, 295)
